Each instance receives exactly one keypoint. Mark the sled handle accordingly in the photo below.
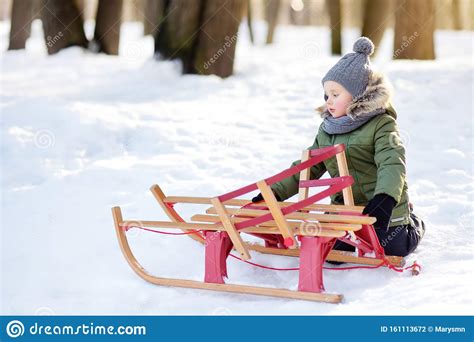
(278, 216)
(230, 228)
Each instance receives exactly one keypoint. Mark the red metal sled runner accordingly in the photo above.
(301, 229)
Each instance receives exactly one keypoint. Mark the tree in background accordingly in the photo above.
(152, 12)
(177, 31)
(21, 18)
(202, 34)
(272, 10)
(217, 37)
(181, 30)
(377, 15)
(107, 26)
(248, 11)
(456, 12)
(414, 29)
(63, 25)
(335, 24)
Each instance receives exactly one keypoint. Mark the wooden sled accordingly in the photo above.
(301, 229)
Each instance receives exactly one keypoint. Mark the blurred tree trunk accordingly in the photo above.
(272, 10)
(217, 38)
(248, 5)
(376, 18)
(335, 23)
(133, 10)
(153, 11)
(107, 26)
(297, 10)
(414, 30)
(178, 29)
(63, 25)
(470, 10)
(308, 12)
(21, 18)
(456, 13)
(203, 34)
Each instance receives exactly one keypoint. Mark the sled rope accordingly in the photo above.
(385, 261)
(127, 228)
(263, 266)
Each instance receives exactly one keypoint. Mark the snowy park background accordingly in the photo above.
(82, 132)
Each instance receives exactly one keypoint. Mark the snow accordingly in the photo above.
(81, 133)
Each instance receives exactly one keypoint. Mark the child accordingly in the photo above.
(359, 115)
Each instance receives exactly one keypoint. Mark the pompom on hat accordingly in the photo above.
(354, 69)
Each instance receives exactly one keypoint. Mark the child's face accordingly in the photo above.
(337, 98)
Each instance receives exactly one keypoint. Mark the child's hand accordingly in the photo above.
(259, 198)
(380, 207)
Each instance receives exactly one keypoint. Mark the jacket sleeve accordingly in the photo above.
(289, 186)
(389, 159)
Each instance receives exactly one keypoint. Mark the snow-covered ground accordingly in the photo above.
(81, 133)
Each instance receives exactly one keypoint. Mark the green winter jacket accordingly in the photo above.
(375, 157)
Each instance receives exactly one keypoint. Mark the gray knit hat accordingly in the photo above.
(353, 70)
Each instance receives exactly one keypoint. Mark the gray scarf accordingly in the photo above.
(346, 124)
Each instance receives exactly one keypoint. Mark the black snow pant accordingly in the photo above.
(400, 240)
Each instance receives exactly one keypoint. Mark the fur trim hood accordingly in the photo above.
(377, 95)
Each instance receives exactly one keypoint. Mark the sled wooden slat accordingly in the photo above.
(171, 213)
(303, 216)
(304, 175)
(242, 202)
(292, 224)
(230, 229)
(185, 226)
(275, 210)
(344, 171)
(295, 231)
(243, 289)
